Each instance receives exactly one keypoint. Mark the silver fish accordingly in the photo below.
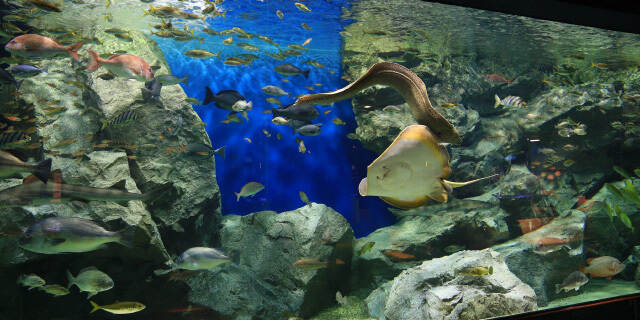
(31, 281)
(90, 280)
(572, 281)
(510, 101)
(201, 258)
(62, 235)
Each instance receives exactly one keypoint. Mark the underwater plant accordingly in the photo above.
(627, 193)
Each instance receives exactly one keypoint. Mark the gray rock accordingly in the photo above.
(426, 237)
(263, 281)
(435, 290)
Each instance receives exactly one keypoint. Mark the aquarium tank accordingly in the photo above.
(339, 159)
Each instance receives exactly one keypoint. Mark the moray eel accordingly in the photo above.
(408, 84)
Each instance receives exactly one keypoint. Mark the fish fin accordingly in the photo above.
(43, 170)
(237, 196)
(609, 277)
(126, 236)
(94, 61)
(155, 194)
(208, 97)
(55, 242)
(441, 197)
(497, 104)
(510, 80)
(306, 73)
(558, 288)
(104, 124)
(185, 80)
(71, 279)
(589, 261)
(610, 269)
(91, 294)
(95, 307)
(18, 83)
(406, 204)
(73, 50)
(581, 268)
(220, 151)
(30, 179)
(45, 70)
(460, 184)
(120, 185)
(146, 94)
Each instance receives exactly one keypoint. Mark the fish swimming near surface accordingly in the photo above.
(22, 71)
(201, 258)
(151, 90)
(604, 266)
(249, 189)
(11, 165)
(498, 79)
(124, 307)
(408, 84)
(31, 281)
(90, 280)
(453, 205)
(8, 78)
(34, 45)
(291, 70)
(305, 112)
(201, 151)
(572, 281)
(224, 99)
(411, 171)
(121, 65)
(510, 101)
(65, 235)
(33, 192)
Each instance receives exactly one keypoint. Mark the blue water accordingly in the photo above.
(331, 169)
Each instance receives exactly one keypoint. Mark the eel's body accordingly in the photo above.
(408, 84)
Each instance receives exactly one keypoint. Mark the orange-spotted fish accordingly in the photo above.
(34, 45)
(122, 65)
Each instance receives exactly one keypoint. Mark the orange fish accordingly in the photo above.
(498, 78)
(13, 118)
(604, 266)
(34, 45)
(307, 42)
(530, 225)
(398, 255)
(122, 65)
(312, 264)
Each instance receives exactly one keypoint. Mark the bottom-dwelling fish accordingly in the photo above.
(477, 271)
(62, 235)
(572, 281)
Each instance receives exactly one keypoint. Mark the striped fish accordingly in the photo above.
(12, 140)
(510, 101)
(122, 119)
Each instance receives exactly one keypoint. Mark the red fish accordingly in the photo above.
(397, 255)
(602, 267)
(34, 45)
(494, 77)
(122, 65)
(530, 225)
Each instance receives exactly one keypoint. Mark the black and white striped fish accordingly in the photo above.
(12, 140)
(510, 101)
(122, 119)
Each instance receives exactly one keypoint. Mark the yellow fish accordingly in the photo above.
(124, 307)
(302, 7)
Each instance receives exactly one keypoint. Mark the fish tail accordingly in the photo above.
(73, 50)
(509, 81)
(125, 236)
(237, 196)
(224, 14)
(497, 101)
(220, 151)
(95, 307)
(71, 279)
(43, 170)
(460, 184)
(558, 288)
(104, 124)
(18, 83)
(208, 97)
(94, 61)
(185, 80)
(145, 12)
(45, 70)
(306, 73)
(218, 55)
(150, 26)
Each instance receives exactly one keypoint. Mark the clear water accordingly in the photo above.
(462, 46)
